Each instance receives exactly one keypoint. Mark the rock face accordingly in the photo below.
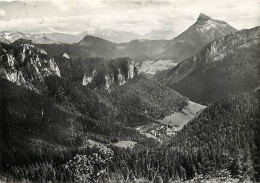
(88, 79)
(227, 65)
(65, 55)
(24, 64)
(117, 71)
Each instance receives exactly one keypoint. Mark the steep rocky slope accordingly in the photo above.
(24, 64)
(118, 71)
(227, 65)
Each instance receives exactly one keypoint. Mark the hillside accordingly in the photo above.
(118, 86)
(230, 120)
(225, 66)
(56, 122)
(35, 127)
(221, 145)
(89, 87)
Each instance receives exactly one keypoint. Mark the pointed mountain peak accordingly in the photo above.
(203, 17)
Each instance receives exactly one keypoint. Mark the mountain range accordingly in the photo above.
(41, 38)
(108, 34)
(203, 31)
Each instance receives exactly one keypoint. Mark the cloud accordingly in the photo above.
(65, 5)
(139, 16)
(2, 13)
(61, 5)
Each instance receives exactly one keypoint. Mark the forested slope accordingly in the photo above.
(222, 142)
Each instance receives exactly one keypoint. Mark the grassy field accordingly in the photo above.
(177, 120)
(125, 144)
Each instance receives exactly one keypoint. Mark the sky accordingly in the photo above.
(138, 16)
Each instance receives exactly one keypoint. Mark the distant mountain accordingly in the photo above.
(202, 32)
(159, 34)
(125, 36)
(4, 40)
(182, 47)
(88, 47)
(44, 40)
(227, 65)
(41, 38)
(11, 36)
(63, 37)
(113, 35)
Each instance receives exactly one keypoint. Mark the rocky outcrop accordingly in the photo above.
(24, 64)
(65, 55)
(88, 79)
(117, 71)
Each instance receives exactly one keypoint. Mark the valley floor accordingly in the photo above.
(177, 120)
(172, 123)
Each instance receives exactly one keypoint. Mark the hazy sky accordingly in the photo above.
(139, 16)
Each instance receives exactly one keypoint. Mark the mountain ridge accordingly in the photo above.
(217, 67)
(179, 48)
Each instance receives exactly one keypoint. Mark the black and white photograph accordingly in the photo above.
(129, 91)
